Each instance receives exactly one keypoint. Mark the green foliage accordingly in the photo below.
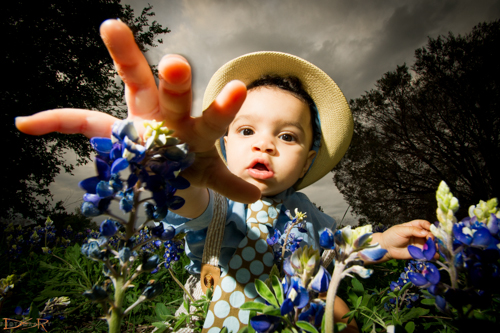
(190, 318)
(59, 61)
(366, 301)
(436, 120)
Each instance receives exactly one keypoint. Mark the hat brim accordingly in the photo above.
(334, 112)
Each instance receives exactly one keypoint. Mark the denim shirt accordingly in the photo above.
(196, 229)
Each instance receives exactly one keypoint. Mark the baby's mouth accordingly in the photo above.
(260, 170)
(260, 167)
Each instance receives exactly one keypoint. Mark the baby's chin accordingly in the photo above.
(265, 189)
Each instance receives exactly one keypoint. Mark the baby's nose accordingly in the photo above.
(264, 145)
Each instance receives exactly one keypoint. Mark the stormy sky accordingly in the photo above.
(354, 41)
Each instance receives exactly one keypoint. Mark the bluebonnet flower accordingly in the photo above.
(321, 281)
(326, 240)
(470, 246)
(149, 262)
(109, 228)
(264, 323)
(287, 307)
(429, 276)
(426, 253)
(163, 231)
(296, 292)
(411, 295)
(173, 249)
(314, 314)
(277, 240)
(152, 289)
(296, 221)
(474, 233)
(96, 294)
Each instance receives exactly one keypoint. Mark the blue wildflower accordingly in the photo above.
(314, 314)
(109, 228)
(163, 231)
(427, 252)
(321, 280)
(429, 276)
(264, 323)
(326, 239)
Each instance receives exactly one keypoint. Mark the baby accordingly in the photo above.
(277, 139)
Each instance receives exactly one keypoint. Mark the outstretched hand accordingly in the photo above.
(170, 102)
(397, 238)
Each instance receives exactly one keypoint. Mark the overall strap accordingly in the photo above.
(210, 271)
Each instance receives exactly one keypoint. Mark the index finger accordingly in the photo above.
(67, 121)
(140, 87)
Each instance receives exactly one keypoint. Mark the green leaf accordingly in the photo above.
(410, 327)
(224, 330)
(306, 326)
(352, 297)
(357, 286)
(339, 327)
(414, 313)
(252, 314)
(406, 286)
(243, 330)
(358, 301)
(161, 310)
(160, 326)
(182, 319)
(428, 301)
(271, 310)
(385, 299)
(255, 306)
(265, 292)
(278, 289)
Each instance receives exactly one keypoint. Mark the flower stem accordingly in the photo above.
(452, 269)
(330, 298)
(181, 285)
(116, 317)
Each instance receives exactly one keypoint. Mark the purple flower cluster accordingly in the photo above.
(156, 169)
(35, 238)
(154, 164)
(409, 297)
(173, 250)
(276, 240)
(470, 247)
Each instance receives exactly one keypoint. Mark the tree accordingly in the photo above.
(56, 58)
(438, 121)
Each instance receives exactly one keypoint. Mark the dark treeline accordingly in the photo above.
(436, 120)
(53, 58)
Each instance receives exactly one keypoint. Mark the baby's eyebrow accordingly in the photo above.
(245, 117)
(294, 124)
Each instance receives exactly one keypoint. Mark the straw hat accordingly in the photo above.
(333, 109)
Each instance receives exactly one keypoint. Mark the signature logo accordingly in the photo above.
(25, 324)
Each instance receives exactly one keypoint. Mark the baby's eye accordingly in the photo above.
(287, 137)
(246, 131)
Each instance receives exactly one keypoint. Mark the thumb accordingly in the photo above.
(233, 187)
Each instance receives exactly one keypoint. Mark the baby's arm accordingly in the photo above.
(397, 238)
(171, 102)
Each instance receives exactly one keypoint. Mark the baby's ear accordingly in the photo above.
(307, 164)
(225, 140)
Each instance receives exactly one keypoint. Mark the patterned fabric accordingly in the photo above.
(253, 259)
(235, 227)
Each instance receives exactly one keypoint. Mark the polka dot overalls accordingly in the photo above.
(252, 260)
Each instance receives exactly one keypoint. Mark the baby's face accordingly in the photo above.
(269, 142)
